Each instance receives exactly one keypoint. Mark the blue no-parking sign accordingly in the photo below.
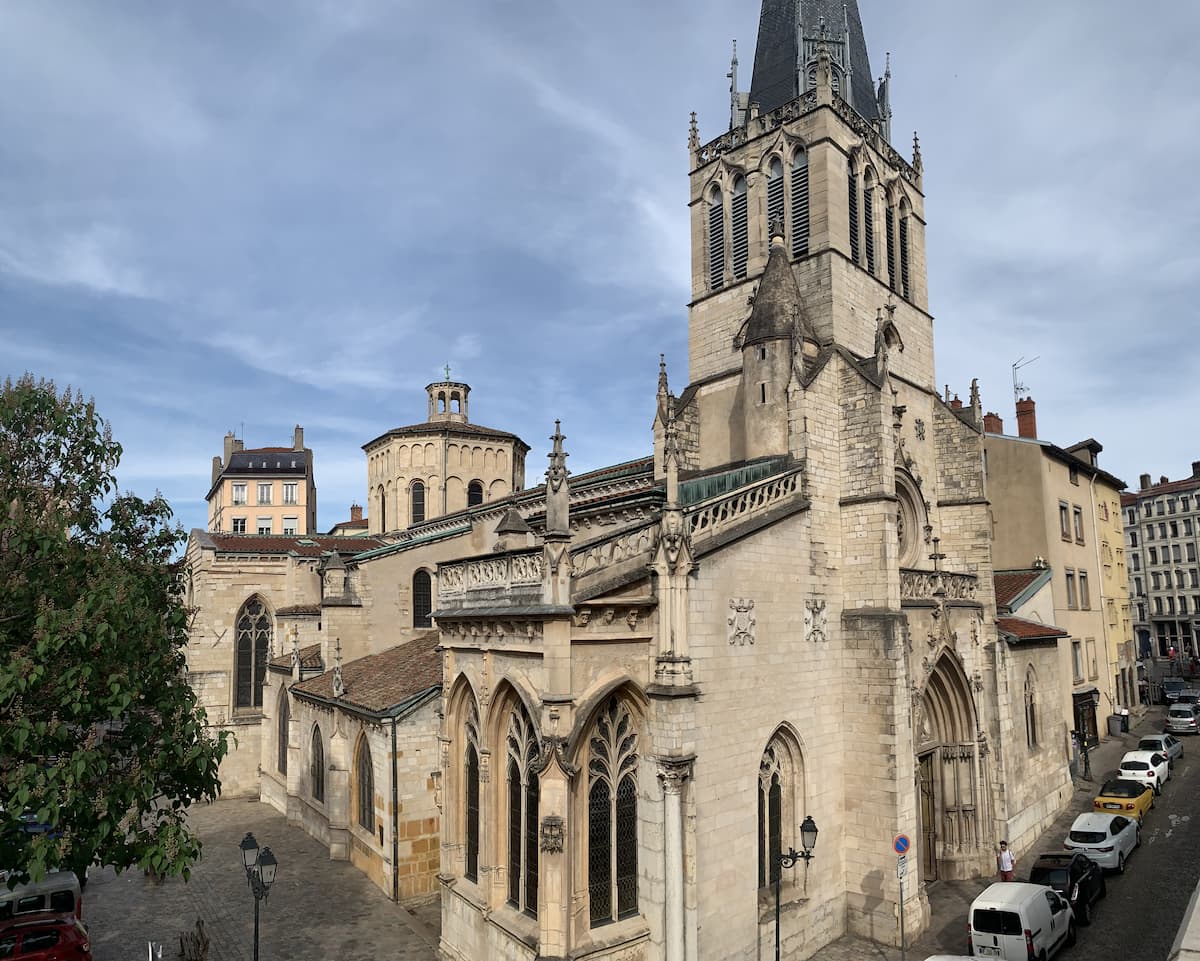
(901, 844)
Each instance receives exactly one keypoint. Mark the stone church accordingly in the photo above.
(653, 674)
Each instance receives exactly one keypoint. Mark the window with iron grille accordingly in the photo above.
(612, 815)
(889, 230)
(418, 502)
(472, 795)
(253, 643)
(422, 599)
(316, 766)
(904, 289)
(522, 749)
(800, 204)
(775, 211)
(474, 494)
(366, 786)
(281, 734)
(852, 207)
(868, 205)
(739, 228)
(716, 240)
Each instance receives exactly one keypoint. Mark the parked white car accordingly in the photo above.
(1107, 839)
(1149, 767)
(1166, 744)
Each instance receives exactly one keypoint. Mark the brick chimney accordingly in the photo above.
(216, 469)
(1026, 418)
(298, 438)
(356, 512)
(992, 424)
(1144, 482)
(956, 404)
(231, 445)
(1196, 468)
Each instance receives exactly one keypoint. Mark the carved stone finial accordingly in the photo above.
(557, 472)
(918, 165)
(557, 496)
(295, 653)
(775, 230)
(339, 688)
(693, 133)
(662, 373)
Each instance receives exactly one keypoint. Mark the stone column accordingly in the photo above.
(672, 773)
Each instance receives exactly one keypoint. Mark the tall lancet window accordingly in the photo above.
(780, 793)
(904, 249)
(522, 749)
(471, 799)
(740, 228)
(890, 236)
(612, 815)
(716, 239)
(852, 209)
(418, 502)
(868, 206)
(774, 196)
(800, 204)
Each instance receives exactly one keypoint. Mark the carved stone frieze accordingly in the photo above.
(717, 516)
(490, 573)
(552, 838)
(816, 621)
(931, 585)
(492, 631)
(741, 621)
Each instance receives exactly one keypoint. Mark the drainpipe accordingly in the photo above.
(395, 821)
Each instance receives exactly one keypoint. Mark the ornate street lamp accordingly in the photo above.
(260, 875)
(788, 859)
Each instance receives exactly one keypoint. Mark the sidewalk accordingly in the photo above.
(949, 901)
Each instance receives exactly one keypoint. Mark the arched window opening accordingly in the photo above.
(253, 644)
(612, 815)
(441, 402)
(521, 751)
(716, 240)
(281, 734)
(455, 403)
(475, 493)
(422, 599)
(868, 206)
(471, 732)
(740, 228)
(316, 766)
(775, 213)
(904, 289)
(382, 510)
(418, 502)
(365, 776)
(1031, 727)
(779, 786)
(800, 204)
(890, 238)
(852, 209)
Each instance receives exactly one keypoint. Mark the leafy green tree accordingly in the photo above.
(102, 741)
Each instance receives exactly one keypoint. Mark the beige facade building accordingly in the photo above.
(263, 490)
(1056, 509)
(441, 466)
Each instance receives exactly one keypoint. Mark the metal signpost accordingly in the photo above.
(901, 844)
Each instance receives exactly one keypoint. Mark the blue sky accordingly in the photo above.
(251, 215)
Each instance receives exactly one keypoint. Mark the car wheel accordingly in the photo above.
(1070, 934)
(1157, 788)
(1083, 913)
(1137, 835)
(1121, 861)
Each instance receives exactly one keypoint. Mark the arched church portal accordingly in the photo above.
(949, 787)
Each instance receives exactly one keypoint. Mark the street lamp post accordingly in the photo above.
(260, 875)
(788, 859)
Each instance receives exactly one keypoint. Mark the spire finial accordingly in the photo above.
(447, 370)
(887, 66)
(339, 687)
(662, 373)
(557, 472)
(918, 166)
(775, 230)
(693, 133)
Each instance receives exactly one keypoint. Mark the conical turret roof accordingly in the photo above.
(778, 306)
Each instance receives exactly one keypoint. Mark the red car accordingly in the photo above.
(42, 937)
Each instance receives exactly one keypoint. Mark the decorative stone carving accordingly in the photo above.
(816, 620)
(925, 585)
(672, 772)
(552, 834)
(741, 621)
(582, 617)
(632, 618)
(719, 515)
(919, 428)
(613, 550)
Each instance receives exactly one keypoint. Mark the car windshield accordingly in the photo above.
(1148, 745)
(1180, 710)
(991, 921)
(1054, 877)
(1121, 788)
(1087, 837)
(1172, 684)
(1134, 766)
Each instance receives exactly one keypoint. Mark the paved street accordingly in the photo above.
(318, 908)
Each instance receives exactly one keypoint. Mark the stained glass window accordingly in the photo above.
(522, 749)
(316, 766)
(366, 787)
(253, 645)
(472, 796)
(612, 816)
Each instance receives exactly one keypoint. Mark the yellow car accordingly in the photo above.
(1131, 798)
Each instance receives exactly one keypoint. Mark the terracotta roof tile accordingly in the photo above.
(381, 681)
(1010, 584)
(1026, 630)
(1170, 487)
(312, 545)
(310, 658)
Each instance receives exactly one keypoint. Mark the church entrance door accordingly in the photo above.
(926, 788)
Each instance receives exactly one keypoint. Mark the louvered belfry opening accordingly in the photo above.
(890, 237)
(904, 289)
(739, 228)
(716, 240)
(800, 204)
(852, 207)
(868, 206)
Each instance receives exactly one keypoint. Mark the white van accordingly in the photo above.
(1019, 922)
(58, 892)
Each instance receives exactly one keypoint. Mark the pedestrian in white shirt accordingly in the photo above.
(1006, 862)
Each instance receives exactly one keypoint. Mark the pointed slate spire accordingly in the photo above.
(788, 32)
(778, 307)
(513, 523)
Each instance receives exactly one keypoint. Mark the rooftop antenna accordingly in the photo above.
(1018, 387)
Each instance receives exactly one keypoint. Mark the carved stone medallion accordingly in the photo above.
(741, 621)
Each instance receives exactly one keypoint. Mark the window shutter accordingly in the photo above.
(716, 242)
(890, 234)
(740, 229)
(852, 206)
(800, 204)
(904, 256)
(869, 223)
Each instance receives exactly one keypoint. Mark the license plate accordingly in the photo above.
(1112, 807)
(986, 952)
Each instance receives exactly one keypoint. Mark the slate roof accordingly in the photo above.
(1020, 629)
(302, 545)
(781, 25)
(1130, 498)
(380, 682)
(777, 301)
(268, 460)
(449, 428)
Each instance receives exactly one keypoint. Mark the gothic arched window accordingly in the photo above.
(382, 510)
(904, 211)
(780, 782)
(800, 204)
(471, 794)
(1031, 731)
(852, 208)
(521, 752)
(281, 733)
(775, 213)
(418, 502)
(612, 815)
(716, 239)
(739, 228)
(422, 599)
(474, 493)
(253, 644)
(868, 207)
(316, 766)
(364, 776)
